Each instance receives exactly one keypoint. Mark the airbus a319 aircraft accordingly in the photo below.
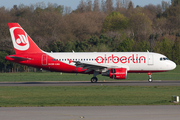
(116, 65)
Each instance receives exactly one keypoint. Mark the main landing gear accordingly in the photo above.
(150, 79)
(94, 78)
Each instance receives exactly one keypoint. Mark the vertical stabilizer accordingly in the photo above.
(23, 44)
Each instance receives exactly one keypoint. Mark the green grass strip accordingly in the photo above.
(87, 95)
(56, 76)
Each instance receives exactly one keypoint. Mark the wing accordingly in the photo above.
(95, 66)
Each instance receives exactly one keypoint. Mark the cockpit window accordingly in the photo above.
(163, 58)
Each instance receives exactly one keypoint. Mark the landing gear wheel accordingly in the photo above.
(94, 79)
(150, 80)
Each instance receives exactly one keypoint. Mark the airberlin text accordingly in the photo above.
(123, 59)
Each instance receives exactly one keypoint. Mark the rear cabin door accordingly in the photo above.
(44, 59)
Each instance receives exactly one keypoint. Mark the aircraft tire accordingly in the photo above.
(94, 79)
(150, 80)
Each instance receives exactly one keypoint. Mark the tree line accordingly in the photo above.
(101, 26)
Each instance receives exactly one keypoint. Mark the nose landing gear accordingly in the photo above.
(150, 79)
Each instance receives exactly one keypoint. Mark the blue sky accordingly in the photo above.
(72, 3)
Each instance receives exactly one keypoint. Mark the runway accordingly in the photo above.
(88, 83)
(92, 113)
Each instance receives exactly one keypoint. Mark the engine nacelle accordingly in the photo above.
(116, 73)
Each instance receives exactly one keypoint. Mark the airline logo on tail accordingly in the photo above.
(20, 38)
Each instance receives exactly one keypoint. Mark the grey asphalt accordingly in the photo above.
(92, 113)
(88, 83)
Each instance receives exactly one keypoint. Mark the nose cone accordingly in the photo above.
(172, 65)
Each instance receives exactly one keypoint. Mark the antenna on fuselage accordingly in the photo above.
(73, 51)
(147, 51)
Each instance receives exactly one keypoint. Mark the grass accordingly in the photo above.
(87, 95)
(55, 76)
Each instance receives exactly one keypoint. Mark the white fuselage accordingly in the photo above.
(133, 61)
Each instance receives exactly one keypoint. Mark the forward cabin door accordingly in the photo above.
(44, 59)
(150, 59)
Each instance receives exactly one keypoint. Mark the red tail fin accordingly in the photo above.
(22, 42)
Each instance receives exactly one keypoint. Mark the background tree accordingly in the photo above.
(175, 2)
(130, 5)
(109, 6)
(103, 6)
(96, 6)
(126, 46)
(111, 27)
(176, 51)
(165, 47)
(115, 22)
(89, 5)
(82, 6)
(140, 25)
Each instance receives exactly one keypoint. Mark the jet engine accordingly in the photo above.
(116, 73)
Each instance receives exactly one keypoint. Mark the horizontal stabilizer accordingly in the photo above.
(19, 58)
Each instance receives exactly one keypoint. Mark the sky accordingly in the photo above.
(8, 4)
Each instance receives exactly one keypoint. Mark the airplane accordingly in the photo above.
(115, 65)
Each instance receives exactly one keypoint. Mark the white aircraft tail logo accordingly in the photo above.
(20, 38)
